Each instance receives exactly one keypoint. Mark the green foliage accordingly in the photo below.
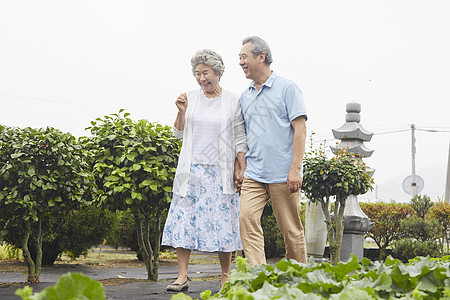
(441, 212)
(338, 177)
(421, 205)
(123, 231)
(420, 233)
(273, 239)
(386, 218)
(135, 161)
(406, 249)
(9, 252)
(135, 164)
(422, 278)
(74, 232)
(41, 170)
(70, 286)
(420, 229)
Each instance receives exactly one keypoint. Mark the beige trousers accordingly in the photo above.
(286, 207)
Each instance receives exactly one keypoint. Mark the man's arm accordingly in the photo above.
(294, 179)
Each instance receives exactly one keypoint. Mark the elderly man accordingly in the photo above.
(274, 115)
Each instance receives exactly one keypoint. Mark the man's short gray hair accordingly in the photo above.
(209, 58)
(259, 46)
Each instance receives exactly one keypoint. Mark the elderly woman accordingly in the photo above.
(204, 213)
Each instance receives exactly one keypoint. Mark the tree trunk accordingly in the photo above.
(38, 245)
(32, 275)
(142, 226)
(157, 243)
(331, 235)
(339, 216)
(336, 232)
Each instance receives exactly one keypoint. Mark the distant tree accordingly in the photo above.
(135, 164)
(41, 171)
(421, 205)
(338, 177)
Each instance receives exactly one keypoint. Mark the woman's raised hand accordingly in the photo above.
(182, 103)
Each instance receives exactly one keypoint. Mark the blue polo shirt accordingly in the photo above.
(268, 114)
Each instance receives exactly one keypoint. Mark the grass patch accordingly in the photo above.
(10, 253)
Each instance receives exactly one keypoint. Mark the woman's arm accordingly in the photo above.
(241, 147)
(182, 104)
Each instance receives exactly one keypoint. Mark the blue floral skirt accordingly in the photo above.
(206, 219)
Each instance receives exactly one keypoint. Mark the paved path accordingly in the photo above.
(132, 291)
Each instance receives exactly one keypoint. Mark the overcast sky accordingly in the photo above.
(65, 63)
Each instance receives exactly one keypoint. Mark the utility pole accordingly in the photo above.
(447, 186)
(413, 156)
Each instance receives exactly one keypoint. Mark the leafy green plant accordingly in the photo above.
(421, 205)
(69, 286)
(41, 171)
(386, 218)
(441, 212)
(135, 164)
(421, 278)
(338, 177)
(420, 233)
(406, 249)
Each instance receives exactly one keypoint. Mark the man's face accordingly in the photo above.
(248, 63)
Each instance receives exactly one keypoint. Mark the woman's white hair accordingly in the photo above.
(210, 58)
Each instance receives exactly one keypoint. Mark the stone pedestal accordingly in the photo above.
(353, 239)
(352, 244)
(315, 230)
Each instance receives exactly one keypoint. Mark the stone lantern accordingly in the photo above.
(352, 137)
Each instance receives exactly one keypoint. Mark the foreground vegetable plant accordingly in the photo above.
(421, 278)
(69, 286)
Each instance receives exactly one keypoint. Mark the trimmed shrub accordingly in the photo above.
(386, 218)
(420, 229)
(441, 212)
(73, 232)
(407, 249)
(420, 232)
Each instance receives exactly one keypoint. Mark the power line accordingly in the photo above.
(432, 130)
(84, 104)
(53, 100)
(389, 132)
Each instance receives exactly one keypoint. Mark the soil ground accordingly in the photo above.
(121, 273)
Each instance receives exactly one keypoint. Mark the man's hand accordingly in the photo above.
(294, 181)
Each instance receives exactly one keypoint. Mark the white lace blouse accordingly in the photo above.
(206, 131)
(232, 140)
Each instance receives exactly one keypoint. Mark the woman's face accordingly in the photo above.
(206, 78)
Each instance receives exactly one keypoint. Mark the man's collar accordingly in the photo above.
(268, 82)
